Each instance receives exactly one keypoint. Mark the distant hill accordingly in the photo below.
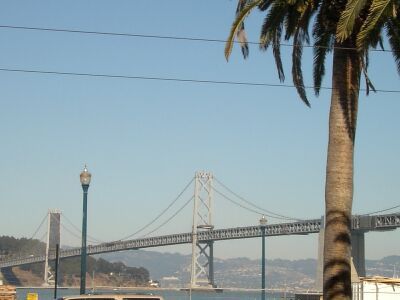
(388, 266)
(106, 273)
(240, 272)
(10, 245)
(159, 264)
(135, 267)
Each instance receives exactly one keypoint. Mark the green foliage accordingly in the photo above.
(71, 266)
(244, 8)
(348, 18)
(12, 246)
(355, 24)
(350, 28)
(37, 269)
(379, 12)
(68, 267)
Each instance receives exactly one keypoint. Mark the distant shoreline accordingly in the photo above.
(99, 288)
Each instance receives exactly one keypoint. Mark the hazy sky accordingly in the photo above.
(143, 140)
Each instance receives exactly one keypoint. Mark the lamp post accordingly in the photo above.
(263, 224)
(85, 181)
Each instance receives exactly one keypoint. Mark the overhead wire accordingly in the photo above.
(173, 79)
(160, 214)
(166, 37)
(279, 216)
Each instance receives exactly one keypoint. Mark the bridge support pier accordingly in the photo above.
(211, 264)
(53, 239)
(358, 252)
(202, 270)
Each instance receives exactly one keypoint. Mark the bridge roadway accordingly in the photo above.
(359, 224)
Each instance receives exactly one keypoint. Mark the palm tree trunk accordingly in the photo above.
(339, 173)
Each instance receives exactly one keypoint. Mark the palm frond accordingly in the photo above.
(378, 9)
(276, 49)
(364, 67)
(297, 73)
(323, 40)
(272, 22)
(304, 22)
(347, 19)
(375, 38)
(238, 26)
(264, 5)
(301, 36)
(291, 22)
(381, 44)
(393, 33)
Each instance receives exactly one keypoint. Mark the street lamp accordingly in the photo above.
(85, 181)
(263, 224)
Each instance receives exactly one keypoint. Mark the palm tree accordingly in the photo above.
(349, 29)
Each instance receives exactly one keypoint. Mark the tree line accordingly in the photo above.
(69, 268)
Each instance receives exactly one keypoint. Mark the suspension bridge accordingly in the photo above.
(203, 236)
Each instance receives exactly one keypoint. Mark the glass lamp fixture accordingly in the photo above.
(85, 176)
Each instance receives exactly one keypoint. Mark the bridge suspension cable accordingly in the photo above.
(38, 228)
(258, 209)
(236, 203)
(91, 238)
(41, 239)
(382, 210)
(170, 218)
(34, 250)
(160, 214)
(76, 235)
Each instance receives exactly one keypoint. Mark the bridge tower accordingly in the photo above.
(202, 269)
(53, 239)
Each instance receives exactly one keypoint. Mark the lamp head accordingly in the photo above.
(85, 177)
(263, 221)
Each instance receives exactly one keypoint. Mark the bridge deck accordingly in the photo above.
(359, 223)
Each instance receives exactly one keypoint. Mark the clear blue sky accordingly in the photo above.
(144, 140)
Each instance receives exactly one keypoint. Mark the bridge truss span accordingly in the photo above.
(165, 240)
(360, 224)
(387, 221)
(300, 227)
(376, 223)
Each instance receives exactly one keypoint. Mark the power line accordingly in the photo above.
(164, 37)
(172, 79)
